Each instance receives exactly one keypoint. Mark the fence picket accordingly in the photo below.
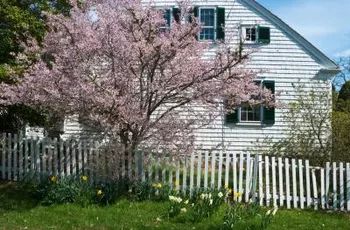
(348, 186)
(301, 184)
(247, 178)
(227, 170)
(240, 182)
(177, 176)
(267, 181)
(314, 188)
(184, 176)
(327, 179)
(213, 160)
(274, 187)
(9, 156)
(280, 181)
(220, 170)
(20, 157)
(206, 165)
(261, 186)
(234, 172)
(341, 186)
(307, 183)
(191, 173)
(294, 176)
(26, 156)
(3, 157)
(15, 157)
(323, 188)
(199, 168)
(287, 182)
(335, 192)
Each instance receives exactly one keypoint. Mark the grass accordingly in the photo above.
(19, 211)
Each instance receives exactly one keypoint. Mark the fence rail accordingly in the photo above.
(272, 181)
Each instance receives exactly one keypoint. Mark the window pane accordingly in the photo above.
(207, 17)
(207, 34)
(251, 34)
(250, 113)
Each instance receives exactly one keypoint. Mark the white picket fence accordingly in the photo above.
(271, 181)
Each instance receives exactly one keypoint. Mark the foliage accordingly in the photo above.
(111, 63)
(70, 189)
(248, 217)
(149, 191)
(341, 136)
(22, 23)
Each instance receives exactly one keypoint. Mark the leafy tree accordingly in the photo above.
(115, 65)
(21, 22)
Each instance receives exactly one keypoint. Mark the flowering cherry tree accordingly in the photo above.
(113, 63)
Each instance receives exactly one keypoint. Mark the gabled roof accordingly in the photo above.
(315, 53)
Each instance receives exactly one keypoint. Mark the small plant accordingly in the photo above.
(247, 216)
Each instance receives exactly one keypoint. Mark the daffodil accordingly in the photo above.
(220, 194)
(99, 192)
(84, 178)
(53, 179)
(186, 202)
(183, 210)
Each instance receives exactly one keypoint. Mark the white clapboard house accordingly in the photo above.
(283, 55)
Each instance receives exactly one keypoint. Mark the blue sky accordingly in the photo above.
(325, 23)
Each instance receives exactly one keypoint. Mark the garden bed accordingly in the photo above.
(18, 210)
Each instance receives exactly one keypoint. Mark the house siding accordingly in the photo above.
(283, 61)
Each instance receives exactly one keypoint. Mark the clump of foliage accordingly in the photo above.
(53, 189)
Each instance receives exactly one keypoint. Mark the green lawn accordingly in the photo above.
(19, 211)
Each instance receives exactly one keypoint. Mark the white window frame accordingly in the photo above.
(210, 27)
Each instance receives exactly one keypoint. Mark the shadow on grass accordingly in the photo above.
(14, 198)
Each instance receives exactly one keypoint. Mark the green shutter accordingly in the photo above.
(263, 35)
(269, 113)
(177, 14)
(220, 23)
(232, 116)
(194, 12)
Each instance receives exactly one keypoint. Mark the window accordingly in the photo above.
(207, 20)
(250, 113)
(250, 34)
(255, 34)
(167, 18)
(253, 114)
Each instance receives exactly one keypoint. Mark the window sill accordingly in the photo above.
(258, 123)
